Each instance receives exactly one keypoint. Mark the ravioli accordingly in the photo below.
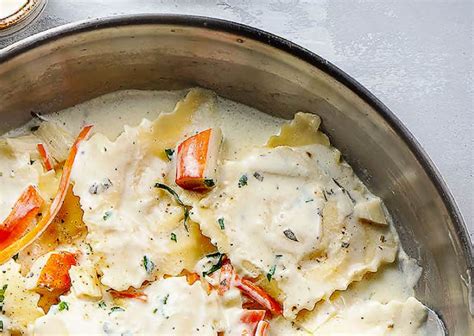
(130, 222)
(289, 215)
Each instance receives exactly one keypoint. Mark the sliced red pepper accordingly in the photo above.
(251, 319)
(256, 293)
(130, 293)
(229, 277)
(196, 160)
(54, 277)
(51, 212)
(45, 157)
(21, 216)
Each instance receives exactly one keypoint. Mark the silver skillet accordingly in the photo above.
(73, 63)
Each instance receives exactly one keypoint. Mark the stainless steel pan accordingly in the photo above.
(74, 63)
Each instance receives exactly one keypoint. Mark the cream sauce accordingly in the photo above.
(123, 227)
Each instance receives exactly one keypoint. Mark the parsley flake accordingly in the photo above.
(271, 273)
(107, 215)
(178, 200)
(148, 264)
(102, 305)
(15, 257)
(165, 299)
(173, 237)
(63, 305)
(2, 295)
(216, 266)
(243, 181)
(221, 223)
(169, 153)
(209, 183)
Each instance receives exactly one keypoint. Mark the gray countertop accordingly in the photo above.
(415, 55)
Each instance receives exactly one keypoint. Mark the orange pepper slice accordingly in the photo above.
(52, 211)
(45, 157)
(228, 277)
(54, 277)
(21, 216)
(196, 160)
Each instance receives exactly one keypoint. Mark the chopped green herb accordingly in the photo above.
(89, 247)
(2, 294)
(107, 215)
(178, 200)
(221, 223)
(99, 187)
(116, 309)
(310, 200)
(34, 128)
(271, 272)
(173, 237)
(1, 325)
(102, 305)
(165, 299)
(290, 235)
(243, 181)
(186, 218)
(63, 305)
(148, 264)
(15, 257)
(169, 153)
(155, 310)
(216, 266)
(171, 191)
(345, 244)
(258, 176)
(209, 183)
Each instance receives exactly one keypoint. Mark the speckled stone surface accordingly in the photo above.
(415, 55)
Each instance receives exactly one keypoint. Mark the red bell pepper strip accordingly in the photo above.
(52, 211)
(130, 293)
(255, 292)
(251, 320)
(21, 216)
(45, 157)
(54, 277)
(229, 277)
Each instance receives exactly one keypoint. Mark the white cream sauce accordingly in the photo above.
(290, 196)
